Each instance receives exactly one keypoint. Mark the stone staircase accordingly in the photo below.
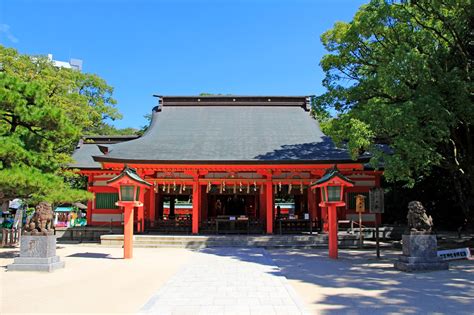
(202, 241)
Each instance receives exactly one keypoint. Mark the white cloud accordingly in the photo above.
(5, 30)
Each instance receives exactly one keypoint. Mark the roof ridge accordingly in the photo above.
(304, 102)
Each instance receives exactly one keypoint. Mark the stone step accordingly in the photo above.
(198, 241)
(232, 241)
(229, 241)
(170, 246)
(223, 237)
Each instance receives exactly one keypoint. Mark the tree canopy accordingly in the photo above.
(43, 112)
(399, 74)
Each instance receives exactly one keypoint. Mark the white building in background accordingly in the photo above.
(75, 64)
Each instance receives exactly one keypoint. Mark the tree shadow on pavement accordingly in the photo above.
(358, 283)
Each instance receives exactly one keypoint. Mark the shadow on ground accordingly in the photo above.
(358, 283)
(92, 255)
(10, 254)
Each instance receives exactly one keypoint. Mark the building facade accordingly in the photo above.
(224, 163)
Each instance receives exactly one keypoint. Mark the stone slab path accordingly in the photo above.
(227, 281)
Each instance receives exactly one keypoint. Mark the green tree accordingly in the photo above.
(43, 112)
(400, 74)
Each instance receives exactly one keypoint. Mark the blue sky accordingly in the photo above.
(181, 47)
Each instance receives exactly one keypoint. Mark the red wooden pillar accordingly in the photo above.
(128, 232)
(90, 203)
(269, 205)
(196, 204)
(332, 232)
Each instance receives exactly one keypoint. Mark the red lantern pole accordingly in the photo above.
(128, 231)
(333, 247)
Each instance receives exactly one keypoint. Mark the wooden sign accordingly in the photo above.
(360, 203)
(376, 200)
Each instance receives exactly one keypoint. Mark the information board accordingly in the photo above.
(376, 200)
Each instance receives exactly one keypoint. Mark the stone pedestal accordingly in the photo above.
(420, 254)
(37, 253)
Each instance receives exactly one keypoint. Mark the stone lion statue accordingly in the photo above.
(41, 223)
(418, 220)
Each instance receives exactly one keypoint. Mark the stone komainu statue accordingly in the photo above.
(418, 220)
(41, 223)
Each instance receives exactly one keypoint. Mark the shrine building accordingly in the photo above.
(224, 164)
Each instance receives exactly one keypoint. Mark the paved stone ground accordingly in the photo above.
(227, 281)
(359, 283)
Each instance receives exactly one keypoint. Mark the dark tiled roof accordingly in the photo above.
(82, 156)
(88, 147)
(229, 133)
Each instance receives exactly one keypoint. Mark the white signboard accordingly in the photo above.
(451, 254)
